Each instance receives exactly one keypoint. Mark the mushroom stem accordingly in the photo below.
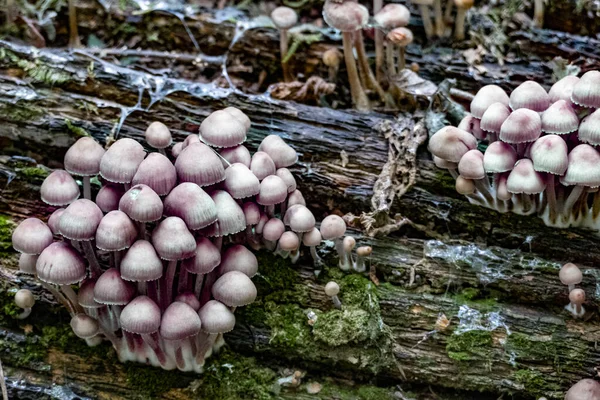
(163, 152)
(359, 97)
(73, 32)
(336, 302)
(283, 47)
(198, 285)
(316, 259)
(551, 197)
(538, 13)
(377, 6)
(295, 256)
(370, 81)
(571, 287)
(25, 313)
(596, 205)
(10, 13)
(152, 291)
(169, 278)
(389, 53)
(183, 280)
(142, 287)
(204, 343)
(90, 254)
(141, 230)
(59, 297)
(459, 28)
(87, 188)
(153, 341)
(70, 294)
(210, 279)
(401, 60)
(426, 16)
(570, 202)
(448, 17)
(439, 18)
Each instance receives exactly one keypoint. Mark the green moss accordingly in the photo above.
(546, 348)
(534, 381)
(277, 280)
(76, 130)
(483, 301)
(362, 392)
(470, 345)
(151, 382)
(231, 376)
(350, 325)
(7, 226)
(34, 173)
(289, 325)
(21, 112)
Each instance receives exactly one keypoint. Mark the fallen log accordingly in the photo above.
(446, 310)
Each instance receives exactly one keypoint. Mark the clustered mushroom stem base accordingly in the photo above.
(167, 294)
(359, 97)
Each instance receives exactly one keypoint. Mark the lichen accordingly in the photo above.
(539, 348)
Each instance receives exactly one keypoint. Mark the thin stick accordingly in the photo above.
(3, 383)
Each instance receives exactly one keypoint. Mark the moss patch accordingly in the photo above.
(547, 348)
(7, 226)
(34, 173)
(76, 130)
(534, 381)
(471, 345)
(231, 376)
(152, 382)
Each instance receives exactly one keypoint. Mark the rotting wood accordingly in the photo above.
(540, 356)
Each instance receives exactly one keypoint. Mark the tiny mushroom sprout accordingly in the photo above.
(284, 18)
(332, 58)
(158, 262)
(399, 37)
(24, 299)
(349, 17)
(332, 289)
(158, 136)
(575, 307)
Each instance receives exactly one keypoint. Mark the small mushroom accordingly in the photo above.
(362, 253)
(158, 136)
(346, 261)
(570, 275)
(332, 289)
(284, 18)
(331, 58)
(24, 299)
(400, 37)
(575, 307)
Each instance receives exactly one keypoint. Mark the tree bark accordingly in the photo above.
(453, 259)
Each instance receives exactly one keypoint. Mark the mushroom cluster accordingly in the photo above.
(541, 155)
(158, 262)
(350, 18)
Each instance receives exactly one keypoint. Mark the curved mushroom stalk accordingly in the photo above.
(74, 41)
(359, 97)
